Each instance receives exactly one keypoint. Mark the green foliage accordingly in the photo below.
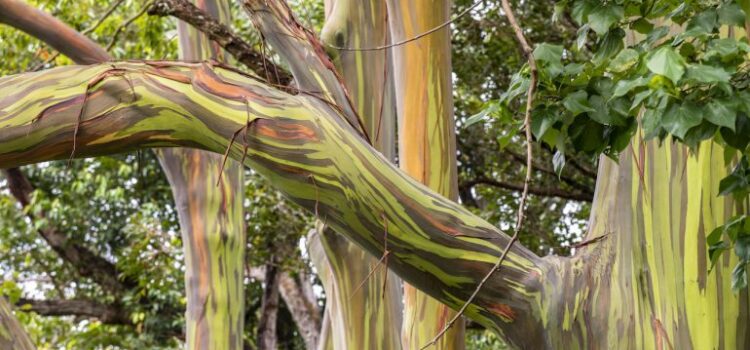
(488, 98)
(735, 233)
(687, 84)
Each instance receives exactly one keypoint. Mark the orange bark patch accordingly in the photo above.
(285, 130)
(206, 79)
(505, 311)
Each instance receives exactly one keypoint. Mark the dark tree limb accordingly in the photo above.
(538, 191)
(566, 179)
(224, 36)
(106, 313)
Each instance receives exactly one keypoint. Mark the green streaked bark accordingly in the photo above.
(208, 196)
(303, 146)
(364, 298)
(427, 145)
(645, 284)
(12, 335)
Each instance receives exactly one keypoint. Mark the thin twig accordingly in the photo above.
(127, 23)
(528, 52)
(101, 20)
(369, 274)
(414, 38)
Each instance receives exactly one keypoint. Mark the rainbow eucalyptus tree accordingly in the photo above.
(640, 280)
(363, 299)
(427, 140)
(208, 194)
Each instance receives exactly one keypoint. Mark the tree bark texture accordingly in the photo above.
(269, 308)
(208, 196)
(364, 298)
(427, 140)
(12, 335)
(294, 141)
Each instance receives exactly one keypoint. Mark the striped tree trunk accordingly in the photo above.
(427, 141)
(208, 197)
(363, 298)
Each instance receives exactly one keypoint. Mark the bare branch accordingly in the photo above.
(83, 260)
(538, 191)
(106, 313)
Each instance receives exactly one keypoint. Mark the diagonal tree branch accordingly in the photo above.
(54, 32)
(224, 36)
(12, 335)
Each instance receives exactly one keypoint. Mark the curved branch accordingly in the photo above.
(52, 31)
(307, 151)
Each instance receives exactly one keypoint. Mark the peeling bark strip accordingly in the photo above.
(435, 244)
(12, 335)
(208, 196)
(427, 141)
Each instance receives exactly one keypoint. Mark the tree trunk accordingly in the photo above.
(12, 335)
(427, 141)
(269, 308)
(301, 302)
(363, 297)
(208, 196)
(304, 310)
(645, 283)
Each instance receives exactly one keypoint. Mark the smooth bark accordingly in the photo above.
(52, 31)
(208, 195)
(427, 140)
(364, 298)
